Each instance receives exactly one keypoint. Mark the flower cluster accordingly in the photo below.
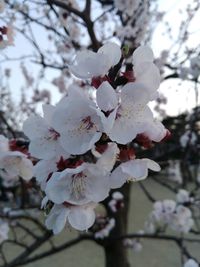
(174, 214)
(133, 244)
(86, 146)
(131, 28)
(106, 227)
(116, 203)
(13, 163)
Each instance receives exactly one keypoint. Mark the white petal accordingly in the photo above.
(48, 111)
(142, 54)
(56, 189)
(134, 93)
(117, 178)
(57, 218)
(155, 131)
(89, 64)
(97, 184)
(43, 168)
(108, 122)
(81, 217)
(43, 148)
(76, 137)
(108, 158)
(106, 97)
(152, 165)
(77, 143)
(148, 74)
(44, 202)
(26, 169)
(136, 169)
(112, 51)
(122, 131)
(34, 127)
(62, 187)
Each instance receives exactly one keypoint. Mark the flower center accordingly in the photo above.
(87, 123)
(53, 135)
(78, 184)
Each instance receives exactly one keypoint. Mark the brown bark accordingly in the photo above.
(115, 252)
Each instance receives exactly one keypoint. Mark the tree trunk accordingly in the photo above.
(115, 252)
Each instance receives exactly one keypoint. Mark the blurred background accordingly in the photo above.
(38, 42)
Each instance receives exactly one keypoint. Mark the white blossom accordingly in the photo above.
(80, 125)
(133, 170)
(105, 231)
(13, 164)
(182, 220)
(134, 244)
(81, 185)
(45, 143)
(169, 213)
(145, 70)
(130, 116)
(89, 64)
(79, 217)
(116, 202)
(107, 160)
(183, 196)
